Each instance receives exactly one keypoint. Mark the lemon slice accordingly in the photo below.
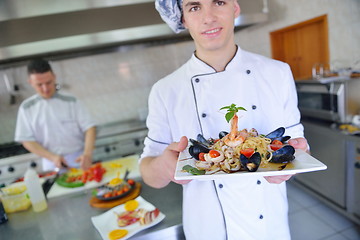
(131, 205)
(115, 181)
(117, 234)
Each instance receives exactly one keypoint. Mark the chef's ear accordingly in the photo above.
(237, 8)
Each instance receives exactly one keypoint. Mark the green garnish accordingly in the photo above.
(193, 170)
(231, 111)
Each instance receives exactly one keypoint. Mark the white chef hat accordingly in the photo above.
(171, 12)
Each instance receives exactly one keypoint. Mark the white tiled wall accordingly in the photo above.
(115, 86)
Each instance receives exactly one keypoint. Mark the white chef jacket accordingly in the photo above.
(187, 102)
(58, 124)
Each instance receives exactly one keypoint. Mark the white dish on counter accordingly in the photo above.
(107, 221)
(303, 162)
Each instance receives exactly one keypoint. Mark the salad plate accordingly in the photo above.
(302, 163)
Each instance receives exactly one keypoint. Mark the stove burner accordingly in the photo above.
(11, 149)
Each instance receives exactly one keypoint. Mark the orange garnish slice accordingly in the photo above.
(117, 234)
(131, 205)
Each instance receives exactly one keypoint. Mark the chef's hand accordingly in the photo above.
(159, 171)
(59, 161)
(278, 179)
(170, 157)
(85, 161)
(297, 143)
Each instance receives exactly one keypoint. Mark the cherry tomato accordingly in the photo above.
(276, 144)
(247, 152)
(214, 153)
(201, 156)
(275, 147)
(131, 182)
(107, 195)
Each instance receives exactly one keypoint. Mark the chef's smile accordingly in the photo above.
(212, 32)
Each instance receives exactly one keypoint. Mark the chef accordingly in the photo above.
(53, 125)
(187, 102)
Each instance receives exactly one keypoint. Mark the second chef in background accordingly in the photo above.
(53, 125)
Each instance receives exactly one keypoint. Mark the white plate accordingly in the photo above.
(107, 221)
(303, 162)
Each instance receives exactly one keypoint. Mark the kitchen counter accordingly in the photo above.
(69, 217)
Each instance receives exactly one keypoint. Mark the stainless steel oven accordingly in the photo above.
(335, 101)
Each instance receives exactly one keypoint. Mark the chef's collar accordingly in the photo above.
(205, 68)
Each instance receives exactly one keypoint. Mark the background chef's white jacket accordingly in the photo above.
(187, 102)
(58, 124)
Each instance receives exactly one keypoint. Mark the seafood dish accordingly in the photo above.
(243, 151)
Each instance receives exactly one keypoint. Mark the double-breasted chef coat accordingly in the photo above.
(58, 124)
(187, 103)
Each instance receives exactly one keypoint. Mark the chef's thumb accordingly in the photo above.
(182, 144)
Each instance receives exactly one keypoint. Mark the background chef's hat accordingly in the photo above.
(170, 12)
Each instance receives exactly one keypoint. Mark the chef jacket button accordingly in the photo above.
(221, 186)
(203, 115)
(261, 216)
(258, 182)
(248, 71)
(197, 80)
(253, 107)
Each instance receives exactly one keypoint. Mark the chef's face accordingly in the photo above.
(211, 22)
(43, 83)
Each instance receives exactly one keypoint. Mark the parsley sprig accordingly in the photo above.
(231, 111)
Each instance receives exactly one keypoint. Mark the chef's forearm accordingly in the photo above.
(38, 149)
(90, 137)
(150, 173)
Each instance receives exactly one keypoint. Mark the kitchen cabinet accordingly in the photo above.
(353, 151)
(338, 186)
(329, 147)
(302, 45)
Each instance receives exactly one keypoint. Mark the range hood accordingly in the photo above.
(42, 27)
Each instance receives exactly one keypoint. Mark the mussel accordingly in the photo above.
(222, 134)
(251, 164)
(278, 134)
(200, 138)
(197, 148)
(283, 155)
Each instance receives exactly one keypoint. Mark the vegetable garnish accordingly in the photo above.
(193, 170)
(231, 111)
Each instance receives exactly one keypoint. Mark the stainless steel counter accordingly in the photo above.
(68, 218)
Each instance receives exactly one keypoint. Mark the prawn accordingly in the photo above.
(235, 137)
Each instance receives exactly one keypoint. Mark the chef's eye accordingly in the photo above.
(220, 3)
(194, 9)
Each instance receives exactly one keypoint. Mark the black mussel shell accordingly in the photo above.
(282, 139)
(276, 133)
(196, 149)
(283, 155)
(223, 134)
(195, 142)
(251, 164)
(200, 138)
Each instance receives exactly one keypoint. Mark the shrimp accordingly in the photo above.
(235, 137)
